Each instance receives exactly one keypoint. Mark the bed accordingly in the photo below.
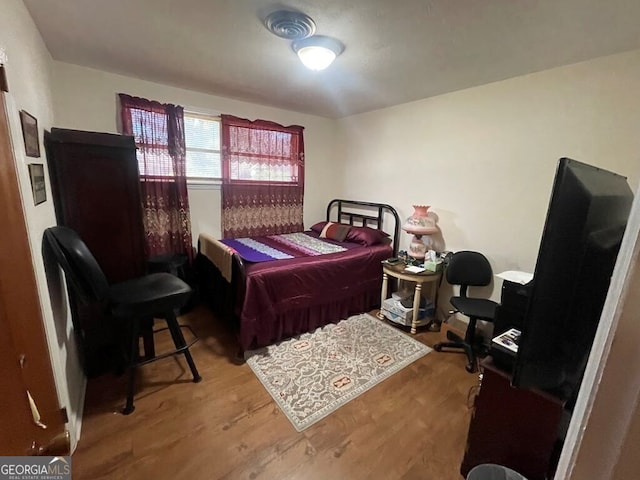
(269, 301)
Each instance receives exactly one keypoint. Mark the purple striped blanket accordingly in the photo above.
(278, 247)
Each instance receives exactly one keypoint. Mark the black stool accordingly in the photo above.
(176, 264)
(157, 295)
(173, 263)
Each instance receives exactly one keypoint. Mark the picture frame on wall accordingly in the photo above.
(4, 85)
(38, 187)
(30, 134)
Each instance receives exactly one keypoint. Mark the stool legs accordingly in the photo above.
(133, 362)
(179, 342)
(181, 347)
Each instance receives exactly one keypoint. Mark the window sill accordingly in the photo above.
(204, 184)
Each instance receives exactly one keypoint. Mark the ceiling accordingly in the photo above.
(396, 51)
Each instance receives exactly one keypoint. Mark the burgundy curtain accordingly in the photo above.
(159, 135)
(262, 177)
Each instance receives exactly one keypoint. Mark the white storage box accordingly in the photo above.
(401, 294)
(393, 310)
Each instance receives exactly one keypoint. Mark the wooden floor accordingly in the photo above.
(411, 426)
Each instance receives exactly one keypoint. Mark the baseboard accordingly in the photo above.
(454, 328)
(458, 325)
(456, 322)
(76, 423)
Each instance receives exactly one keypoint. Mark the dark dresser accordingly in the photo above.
(96, 192)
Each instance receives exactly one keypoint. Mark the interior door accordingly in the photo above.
(28, 399)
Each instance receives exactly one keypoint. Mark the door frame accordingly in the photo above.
(26, 363)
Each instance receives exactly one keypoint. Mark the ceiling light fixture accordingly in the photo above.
(317, 52)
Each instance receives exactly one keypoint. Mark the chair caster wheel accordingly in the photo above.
(470, 368)
(437, 347)
(128, 410)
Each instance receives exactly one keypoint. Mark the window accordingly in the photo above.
(149, 128)
(202, 141)
(263, 155)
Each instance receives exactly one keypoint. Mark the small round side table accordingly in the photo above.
(398, 271)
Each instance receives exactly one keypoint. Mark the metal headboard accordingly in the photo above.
(347, 214)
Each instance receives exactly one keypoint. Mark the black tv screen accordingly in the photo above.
(585, 222)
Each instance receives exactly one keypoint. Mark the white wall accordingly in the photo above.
(485, 158)
(85, 99)
(29, 77)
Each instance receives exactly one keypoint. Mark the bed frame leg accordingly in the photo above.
(238, 359)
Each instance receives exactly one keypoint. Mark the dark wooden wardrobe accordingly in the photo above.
(96, 192)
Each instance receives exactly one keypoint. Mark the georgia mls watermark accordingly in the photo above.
(35, 468)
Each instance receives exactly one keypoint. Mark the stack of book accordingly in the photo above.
(507, 341)
(504, 347)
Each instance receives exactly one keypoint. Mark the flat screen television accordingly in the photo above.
(586, 219)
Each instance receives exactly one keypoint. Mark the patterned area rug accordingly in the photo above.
(312, 375)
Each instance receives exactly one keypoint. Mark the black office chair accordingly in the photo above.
(157, 295)
(468, 269)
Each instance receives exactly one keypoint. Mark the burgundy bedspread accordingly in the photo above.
(286, 297)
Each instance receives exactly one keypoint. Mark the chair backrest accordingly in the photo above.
(83, 273)
(469, 269)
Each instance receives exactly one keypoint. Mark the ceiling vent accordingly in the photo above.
(290, 25)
